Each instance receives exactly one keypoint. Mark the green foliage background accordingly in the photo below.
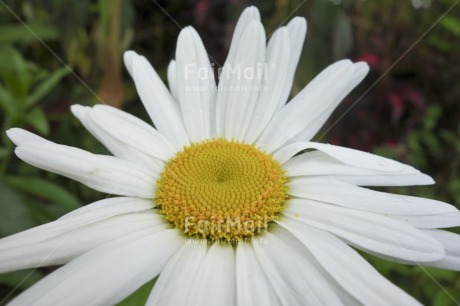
(57, 53)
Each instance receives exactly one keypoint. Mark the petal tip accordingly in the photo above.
(20, 136)
(252, 12)
(128, 58)
(76, 109)
(299, 22)
(362, 67)
(425, 179)
(13, 134)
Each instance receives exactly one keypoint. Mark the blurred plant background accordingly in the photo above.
(57, 53)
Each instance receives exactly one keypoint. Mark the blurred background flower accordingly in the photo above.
(56, 53)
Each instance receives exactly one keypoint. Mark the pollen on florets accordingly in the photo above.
(221, 189)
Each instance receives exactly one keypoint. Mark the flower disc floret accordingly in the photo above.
(220, 189)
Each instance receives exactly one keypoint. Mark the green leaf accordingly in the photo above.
(4, 151)
(6, 101)
(140, 296)
(15, 213)
(452, 138)
(42, 188)
(439, 274)
(432, 117)
(440, 43)
(451, 24)
(454, 188)
(14, 73)
(47, 85)
(21, 279)
(11, 61)
(27, 33)
(37, 118)
(431, 140)
(343, 36)
(447, 297)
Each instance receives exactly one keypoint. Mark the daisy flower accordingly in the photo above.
(226, 200)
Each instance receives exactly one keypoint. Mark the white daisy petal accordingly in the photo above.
(321, 165)
(239, 83)
(374, 179)
(306, 255)
(111, 207)
(295, 280)
(178, 276)
(215, 284)
(252, 286)
(348, 268)
(451, 242)
(138, 258)
(103, 173)
(125, 129)
(132, 132)
(277, 277)
(442, 220)
(195, 84)
(276, 68)
(347, 156)
(20, 136)
(88, 214)
(297, 29)
(381, 235)
(360, 198)
(64, 247)
(128, 59)
(116, 145)
(313, 103)
(286, 153)
(360, 71)
(172, 80)
(157, 100)
(249, 15)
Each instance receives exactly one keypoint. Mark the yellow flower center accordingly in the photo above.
(220, 189)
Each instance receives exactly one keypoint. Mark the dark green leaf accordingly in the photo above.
(14, 73)
(4, 151)
(454, 188)
(21, 279)
(47, 85)
(6, 101)
(37, 118)
(432, 117)
(42, 188)
(140, 296)
(15, 213)
(343, 36)
(440, 43)
(447, 297)
(27, 33)
(451, 24)
(439, 274)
